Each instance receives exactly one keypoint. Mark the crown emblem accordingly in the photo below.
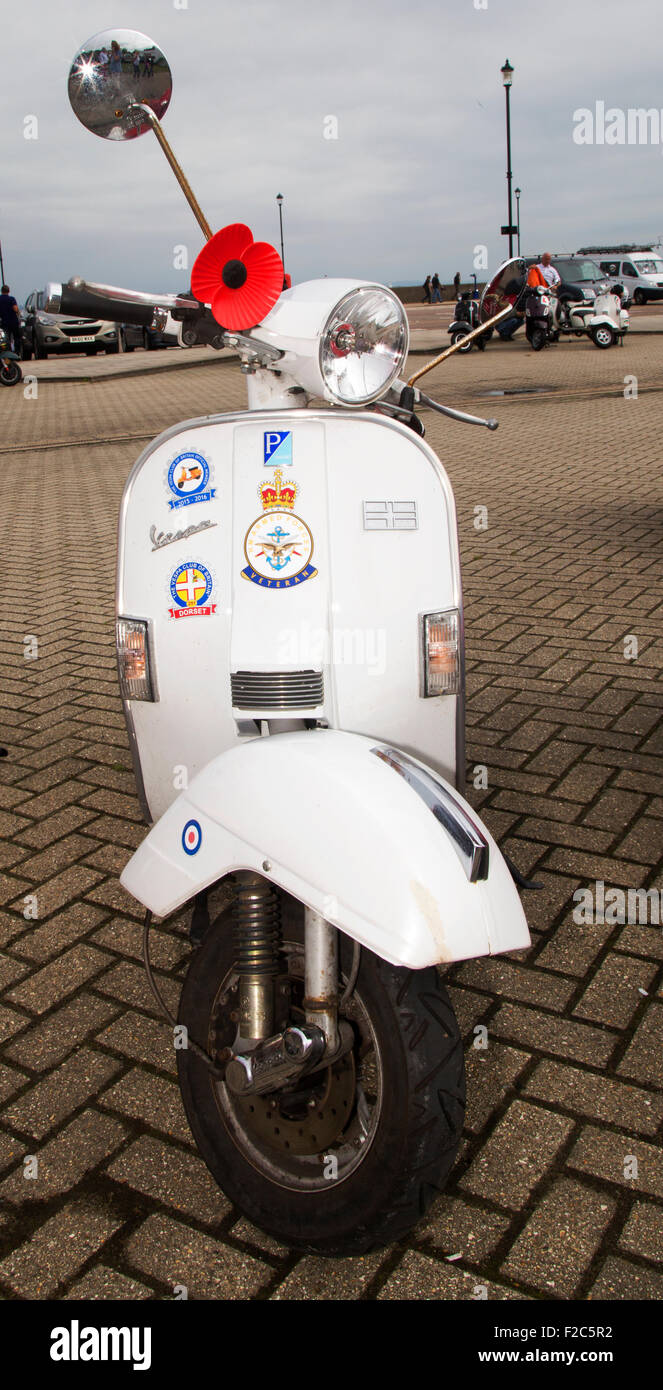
(277, 493)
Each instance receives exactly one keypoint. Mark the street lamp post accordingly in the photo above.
(518, 192)
(279, 199)
(507, 78)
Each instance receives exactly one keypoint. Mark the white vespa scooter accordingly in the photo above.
(290, 646)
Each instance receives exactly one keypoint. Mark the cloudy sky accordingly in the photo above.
(415, 179)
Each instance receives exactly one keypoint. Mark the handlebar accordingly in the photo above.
(70, 299)
(81, 297)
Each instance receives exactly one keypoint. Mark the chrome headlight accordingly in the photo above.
(364, 345)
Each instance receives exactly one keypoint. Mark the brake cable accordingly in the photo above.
(191, 1045)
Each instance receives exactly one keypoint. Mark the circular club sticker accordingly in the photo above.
(190, 588)
(192, 837)
(278, 548)
(188, 476)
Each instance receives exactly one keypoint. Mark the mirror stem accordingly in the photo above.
(177, 170)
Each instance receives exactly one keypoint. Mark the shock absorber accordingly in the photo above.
(257, 936)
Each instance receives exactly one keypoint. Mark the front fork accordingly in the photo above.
(263, 1060)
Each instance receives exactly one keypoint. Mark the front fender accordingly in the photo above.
(332, 818)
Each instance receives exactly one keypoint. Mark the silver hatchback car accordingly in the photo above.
(44, 333)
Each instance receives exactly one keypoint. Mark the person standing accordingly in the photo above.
(437, 289)
(457, 284)
(10, 319)
(426, 289)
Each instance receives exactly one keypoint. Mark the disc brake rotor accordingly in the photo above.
(305, 1121)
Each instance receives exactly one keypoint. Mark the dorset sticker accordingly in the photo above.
(191, 587)
(277, 450)
(188, 477)
(278, 545)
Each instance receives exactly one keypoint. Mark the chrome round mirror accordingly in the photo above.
(112, 75)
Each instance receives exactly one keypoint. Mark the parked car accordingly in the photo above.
(641, 274)
(131, 336)
(44, 333)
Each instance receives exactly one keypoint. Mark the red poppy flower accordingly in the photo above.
(240, 278)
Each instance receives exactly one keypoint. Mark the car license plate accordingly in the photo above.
(89, 339)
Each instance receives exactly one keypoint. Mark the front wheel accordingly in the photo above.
(538, 338)
(10, 373)
(603, 337)
(458, 338)
(639, 297)
(348, 1158)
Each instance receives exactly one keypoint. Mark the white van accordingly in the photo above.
(641, 273)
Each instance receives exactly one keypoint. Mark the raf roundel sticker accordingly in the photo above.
(188, 477)
(192, 837)
(191, 587)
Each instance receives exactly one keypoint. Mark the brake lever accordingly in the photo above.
(411, 396)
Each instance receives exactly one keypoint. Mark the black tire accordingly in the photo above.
(40, 352)
(10, 372)
(603, 337)
(640, 297)
(457, 337)
(26, 352)
(538, 339)
(404, 1022)
(90, 352)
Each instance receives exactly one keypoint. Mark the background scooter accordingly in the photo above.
(10, 368)
(466, 318)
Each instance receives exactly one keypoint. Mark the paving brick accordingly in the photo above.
(170, 1176)
(58, 933)
(620, 1280)
(596, 1097)
(572, 948)
(644, 1057)
(58, 1249)
(517, 1154)
(56, 892)
(454, 1227)
(560, 1239)
(127, 983)
(491, 1074)
(44, 1044)
(167, 947)
(612, 997)
(45, 1105)
(153, 1099)
(503, 978)
(338, 1280)
(420, 1277)
(551, 1033)
(66, 1158)
(105, 1283)
(643, 1232)
(59, 979)
(172, 1253)
(143, 1039)
(610, 1157)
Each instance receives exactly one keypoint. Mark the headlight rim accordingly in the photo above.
(367, 287)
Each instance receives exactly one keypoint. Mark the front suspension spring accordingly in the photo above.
(256, 927)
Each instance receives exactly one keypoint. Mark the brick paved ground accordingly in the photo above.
(547, 1199)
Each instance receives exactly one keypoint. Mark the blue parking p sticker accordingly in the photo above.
(278, 448)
